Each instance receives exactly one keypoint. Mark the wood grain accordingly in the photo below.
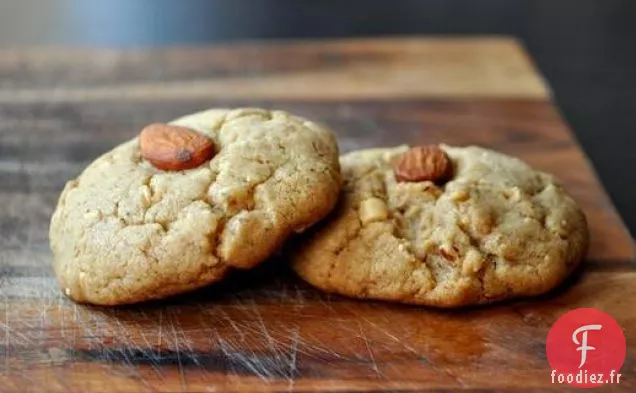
(347, 69)
(265, 330)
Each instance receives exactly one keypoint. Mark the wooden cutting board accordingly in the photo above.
(265, 330)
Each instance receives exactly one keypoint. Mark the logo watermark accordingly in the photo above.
(586, 348)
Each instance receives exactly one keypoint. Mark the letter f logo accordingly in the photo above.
(583, 344)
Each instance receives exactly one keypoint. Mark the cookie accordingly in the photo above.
(483, 227)
(127, 231)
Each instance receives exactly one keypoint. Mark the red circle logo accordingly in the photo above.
(586, 348)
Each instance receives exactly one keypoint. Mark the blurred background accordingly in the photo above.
(585, 48)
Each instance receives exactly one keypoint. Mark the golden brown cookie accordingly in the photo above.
(492, 229)
(126, 231)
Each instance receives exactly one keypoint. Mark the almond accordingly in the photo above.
(174, 148)
(423, 163)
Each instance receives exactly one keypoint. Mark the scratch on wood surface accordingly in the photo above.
(374, 364)
(122, 336)
(43, 319)
(191, 353)
(217, 340)
(60, 302)
(327, 303)
(178, 351)
(273, 348)
(235, 357)
(60, 312)
(14, 336)
(279, 358)
(293, 353)
(159, 334)
(126, 351)
(233, 324)
(321, 347)
(403, 343)
(385, 332)
(236, 360)
(153, 356)
(300, 298)
(74, 326)
(255, 332)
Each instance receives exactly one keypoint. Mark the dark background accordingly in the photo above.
(585, 48)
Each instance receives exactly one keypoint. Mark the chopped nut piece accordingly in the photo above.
(373, 209)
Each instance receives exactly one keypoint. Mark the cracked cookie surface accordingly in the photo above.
(497, 230)
(125, 231)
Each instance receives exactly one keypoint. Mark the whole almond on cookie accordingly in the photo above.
(423, 163)
(174, 148)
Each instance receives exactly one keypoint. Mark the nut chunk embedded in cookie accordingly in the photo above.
(444, 226)
(174, 148)
(423, 163)
(178, 207)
